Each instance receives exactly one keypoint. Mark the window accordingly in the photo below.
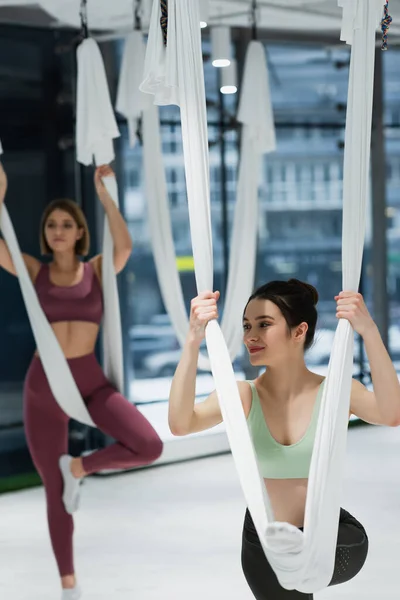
(303, 217)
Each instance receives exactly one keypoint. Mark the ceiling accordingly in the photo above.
(322, 17)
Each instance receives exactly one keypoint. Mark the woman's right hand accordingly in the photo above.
(202, 310)
(3, 183)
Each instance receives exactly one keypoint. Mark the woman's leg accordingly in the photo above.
(46, 428)
(351, 553)
(138, 443)
(352, 549)
(259, 574)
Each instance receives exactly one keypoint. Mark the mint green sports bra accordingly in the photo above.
(276, 461)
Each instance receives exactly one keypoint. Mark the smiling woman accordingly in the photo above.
(294, 300)
(282, 407)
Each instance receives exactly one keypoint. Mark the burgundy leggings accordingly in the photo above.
(46, 427)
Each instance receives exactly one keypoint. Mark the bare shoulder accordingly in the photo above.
(364, 405)
(207, 414)
(246, 395)
(97, 264)
(6, 262)
(33, 266)
(359, 393)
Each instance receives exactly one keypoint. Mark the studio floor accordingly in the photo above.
(174, 531)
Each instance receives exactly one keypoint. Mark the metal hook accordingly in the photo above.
(84, 19)
(137, 19)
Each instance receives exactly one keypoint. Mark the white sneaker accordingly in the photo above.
(73, 594)
(71, 492)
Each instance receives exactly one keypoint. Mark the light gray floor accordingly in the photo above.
(173, 532)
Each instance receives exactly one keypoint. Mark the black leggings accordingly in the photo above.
(351, 553)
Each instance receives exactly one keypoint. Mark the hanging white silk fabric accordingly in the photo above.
(130, 101)
(95, 129)
(58, 373)
(302, 561)
(258, 137)
(161, 229)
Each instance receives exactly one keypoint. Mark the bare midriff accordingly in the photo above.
(288, 499)
(76, 338)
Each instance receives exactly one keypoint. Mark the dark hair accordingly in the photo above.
(297, 302)
(69, 206)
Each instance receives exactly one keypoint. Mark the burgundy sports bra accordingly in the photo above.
(80, 302)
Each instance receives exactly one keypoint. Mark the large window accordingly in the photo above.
(301, 193)
(154, 350)
(300, 205)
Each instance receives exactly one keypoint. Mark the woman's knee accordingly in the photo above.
(144, 440)
(151, 447)
(351, 551)
(143, 443)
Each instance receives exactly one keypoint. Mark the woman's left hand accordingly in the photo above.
(351, 306)
(103, 171)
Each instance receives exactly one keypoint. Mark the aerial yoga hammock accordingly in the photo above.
(258, 138)
(174, 75)
(95, 129)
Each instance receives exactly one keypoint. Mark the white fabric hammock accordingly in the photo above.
(255, 109)
(161, 229)
(258, 138)
(302, 561)
(58, 373)
(92, 141)
(130, 101)
(95, 129)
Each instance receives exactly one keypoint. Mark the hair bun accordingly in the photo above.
(306, 287)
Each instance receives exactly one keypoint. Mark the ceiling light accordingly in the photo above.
(204, 7)
(221, 46)
(229, 79)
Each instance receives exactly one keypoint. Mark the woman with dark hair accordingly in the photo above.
(282, 407)
(70, 292)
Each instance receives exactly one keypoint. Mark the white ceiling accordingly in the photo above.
(322, 16)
